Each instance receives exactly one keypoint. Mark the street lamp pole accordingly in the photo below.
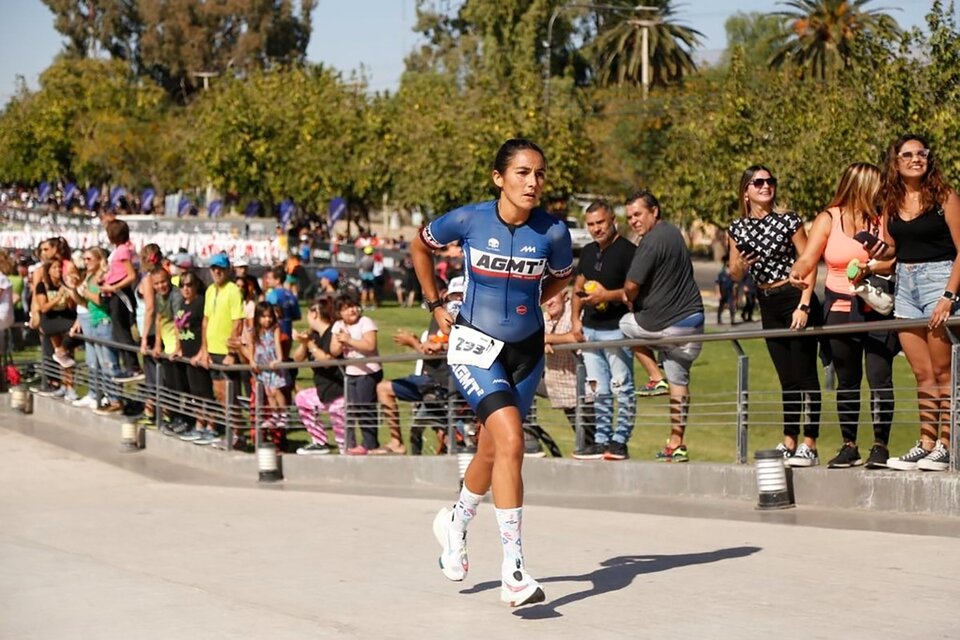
(548, 44)
(645, 52)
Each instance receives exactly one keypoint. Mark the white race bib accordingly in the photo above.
(472, 347)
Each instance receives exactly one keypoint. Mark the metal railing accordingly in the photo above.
(744, 408)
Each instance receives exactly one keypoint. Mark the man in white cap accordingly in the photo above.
(428, 384)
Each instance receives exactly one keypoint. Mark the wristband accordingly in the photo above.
(432, 305)
(804, 307)
(950, 295)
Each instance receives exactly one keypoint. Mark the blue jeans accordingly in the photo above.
(609, 374)
(90, 356)
(107, 362)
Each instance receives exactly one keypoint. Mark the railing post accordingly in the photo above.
(228, 414)
(580, 436)
(451, 423)
(954, 378)
(259, 398)
(743, 377)
(158, 410)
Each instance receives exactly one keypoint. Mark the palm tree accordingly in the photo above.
(819, 35)
(617, 49)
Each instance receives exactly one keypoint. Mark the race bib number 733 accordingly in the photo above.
(472, 347)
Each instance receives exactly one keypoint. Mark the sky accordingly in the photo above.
(349, 34)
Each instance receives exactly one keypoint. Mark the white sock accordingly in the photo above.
(509, 521)
(465, 509)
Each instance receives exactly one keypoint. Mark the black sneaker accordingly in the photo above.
(848, 456)
(616, 451)
(878, 457)
(591, 452)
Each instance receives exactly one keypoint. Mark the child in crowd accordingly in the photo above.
(263, 349)
(326, 394)
(358, 335)
(117, 286)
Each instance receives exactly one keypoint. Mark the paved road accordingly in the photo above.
(89, 550)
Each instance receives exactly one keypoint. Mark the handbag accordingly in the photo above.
(877, 291)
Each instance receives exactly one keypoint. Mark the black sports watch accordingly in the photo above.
(950, 295)
(433, 304)
(804, 307)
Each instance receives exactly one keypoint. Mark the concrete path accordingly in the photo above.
(89, 550)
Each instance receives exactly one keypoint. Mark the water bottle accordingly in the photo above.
(453, 308)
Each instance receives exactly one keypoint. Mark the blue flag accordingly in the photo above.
(45, 190)
(115, 194)
(252, 210)
(286, 211)
(215, 208)
(183, 208)
(336, 210)
(146, 200)
(69, 193)
(93, 194)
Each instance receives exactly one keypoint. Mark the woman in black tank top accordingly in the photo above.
(922, 229)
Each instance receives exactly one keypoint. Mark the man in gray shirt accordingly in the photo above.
(666, 303)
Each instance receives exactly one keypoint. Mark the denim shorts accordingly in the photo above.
(920, 286)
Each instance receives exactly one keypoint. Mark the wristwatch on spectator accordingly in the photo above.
(804, 307)
(433, 304)
(950, 295)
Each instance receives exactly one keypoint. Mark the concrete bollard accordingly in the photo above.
(130, 437)
(18, 397)
(268, 463)
(772, 489)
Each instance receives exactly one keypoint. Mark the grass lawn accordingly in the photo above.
(711, 434)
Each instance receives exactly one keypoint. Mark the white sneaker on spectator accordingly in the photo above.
(936, 460)
(86, 402)
(64, 360)
(909, 460)
(313, 449)
(804, 457)
(59, 393)
(70, 395)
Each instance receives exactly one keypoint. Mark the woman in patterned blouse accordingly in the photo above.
(766, 241)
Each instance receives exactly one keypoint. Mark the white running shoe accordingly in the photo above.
(453, 545)
(517, 588)
(88, 402)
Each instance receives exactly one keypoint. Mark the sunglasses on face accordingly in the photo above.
(759, 182)
(922, 154)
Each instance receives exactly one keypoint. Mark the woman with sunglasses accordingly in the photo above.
(922, 229)
(188, 318)
(852, 213)
(766, 241)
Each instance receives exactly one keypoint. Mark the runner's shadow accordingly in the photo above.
(615, 574)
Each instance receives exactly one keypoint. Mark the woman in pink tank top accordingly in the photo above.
(853, 210)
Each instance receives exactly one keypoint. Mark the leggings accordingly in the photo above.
(848, 359)
(795, 360)
(311, 409)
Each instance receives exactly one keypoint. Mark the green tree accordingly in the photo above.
(92, 25)
(820, 35)
(617, 47)
(755, 33)
(77, 123)
(300, 133)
